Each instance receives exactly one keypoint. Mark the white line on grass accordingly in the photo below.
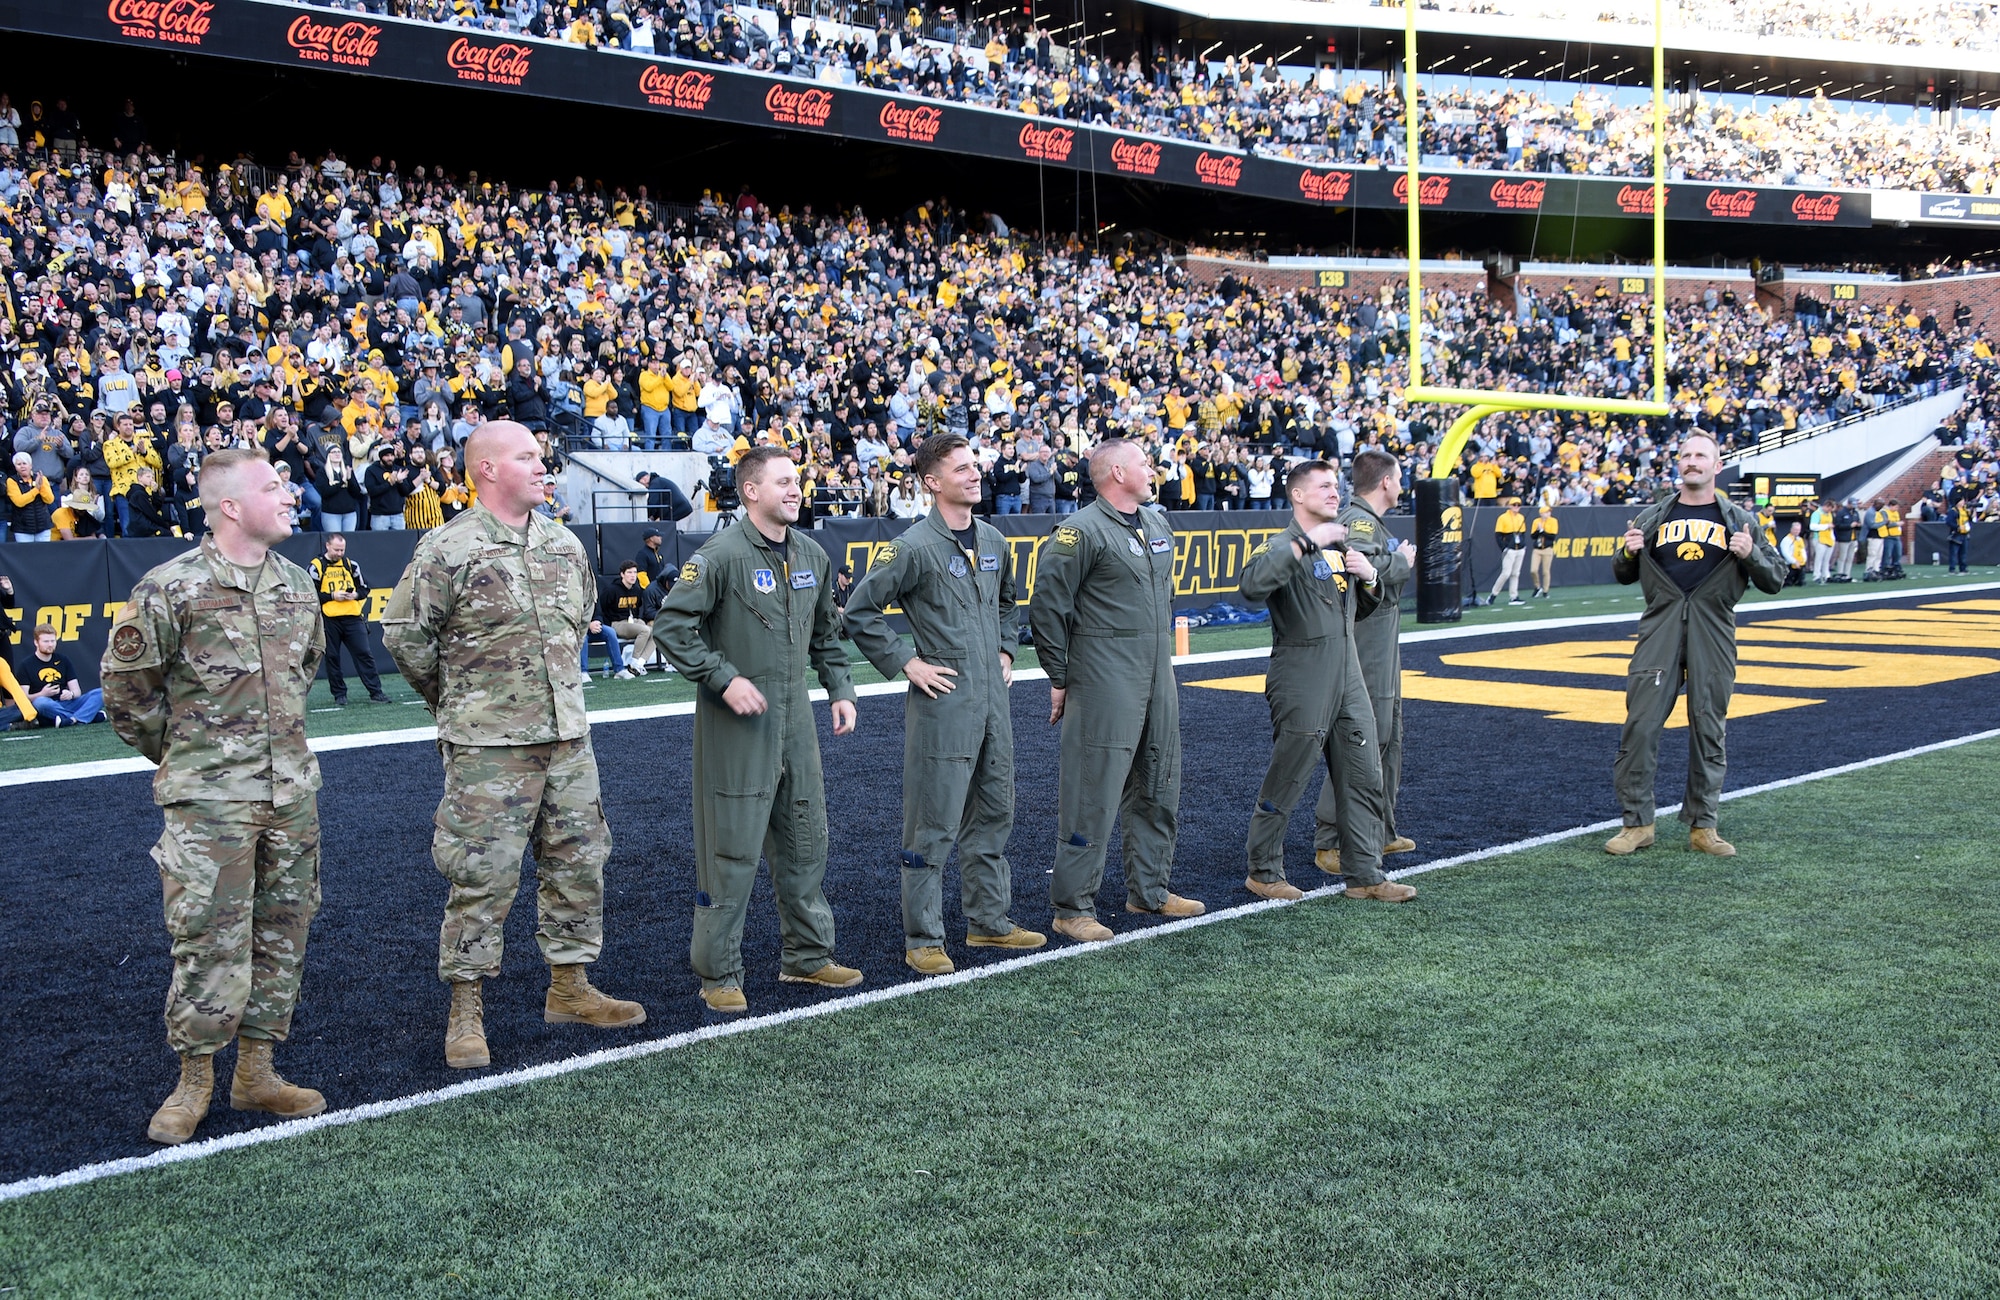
(642, 712)
(609, 1056)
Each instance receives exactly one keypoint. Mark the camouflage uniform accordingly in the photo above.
(206, 675)
(487, 625)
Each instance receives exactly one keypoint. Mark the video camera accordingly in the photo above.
(722, 483)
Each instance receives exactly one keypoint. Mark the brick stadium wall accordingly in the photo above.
(1360, 276)
(1979, 292)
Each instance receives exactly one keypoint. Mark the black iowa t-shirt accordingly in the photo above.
(1690, 542)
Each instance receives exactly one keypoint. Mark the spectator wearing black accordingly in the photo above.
(151, 510)
(622, 602)
(342, 590)
(664, 500)
(525, 403)
(384, 483)
(654, 564)
(1846, 532)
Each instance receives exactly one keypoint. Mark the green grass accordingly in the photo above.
(1554, 1075)
(48, 746)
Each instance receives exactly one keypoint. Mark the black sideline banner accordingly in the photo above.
(371, 45)
(78, 587)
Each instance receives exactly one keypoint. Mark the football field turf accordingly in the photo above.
(1556, 1074)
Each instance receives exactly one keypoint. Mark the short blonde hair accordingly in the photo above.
(218, 467)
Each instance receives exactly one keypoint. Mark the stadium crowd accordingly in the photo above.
(1017, 66)
(1962, 24)
(357, 322)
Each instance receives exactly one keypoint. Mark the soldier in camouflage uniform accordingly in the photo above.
(206, 674)
(487, 625)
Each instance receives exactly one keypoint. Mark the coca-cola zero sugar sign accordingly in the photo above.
(1046, 144)
(1325, 187)
(688, 91)
(915, 122)
(1431, 191)
(1518, 196)
(1138, 157)
(352, 45)
(1635, 200)
(1731, 205)
(1816, 207)
(504, 64)
(789, 107)
(1218, 169)
(177, 22)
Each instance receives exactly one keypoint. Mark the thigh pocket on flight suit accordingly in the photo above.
(187, 882)
(1649, 694)
(943, 782)
(740, 818)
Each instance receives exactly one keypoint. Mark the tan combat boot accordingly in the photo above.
(1328, 860)
(1083, 929)
(1273, 888)
(725, 999)
(1386, 891)
(1174, 906)
(833, 975)
(1703, 839)
(258, 1086)
(187, 1105)
(572, 1001)
(1630, 839)
(465, 1028)
(928, 961)
(1401, 844)
(1015, 937)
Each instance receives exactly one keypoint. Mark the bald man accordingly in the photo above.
(206, 674)
(487, 624)
(1103, 614)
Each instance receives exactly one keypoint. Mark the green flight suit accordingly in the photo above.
(1687, 641)
(1103, 614)
(742, 610)
(958, 749)
(1378, 642)
(1319, 704)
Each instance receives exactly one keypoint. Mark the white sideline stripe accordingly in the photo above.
(642, 712)
(635, 1051)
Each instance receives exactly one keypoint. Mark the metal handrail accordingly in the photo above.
(1792, 437)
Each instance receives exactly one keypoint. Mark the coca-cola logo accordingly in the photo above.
(920, 123)
(178, 22)
(1635, 200)
(688, 91)
(1047, 143)
(1431, 191)
(1326, 187)
(789, 107)
(504, 64)
(1733, 205)
(1518, 196)
(351, 44)
(1140, 157)
(1218, 169)
(1816, 207)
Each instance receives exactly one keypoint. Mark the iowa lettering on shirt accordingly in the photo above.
(1706, 532)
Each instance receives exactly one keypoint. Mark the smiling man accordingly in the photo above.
(1693, 554)
(752, 612)
(206, 675)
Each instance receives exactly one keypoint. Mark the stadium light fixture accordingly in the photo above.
(1481, 402)
(1289, 53)
(1477, 66)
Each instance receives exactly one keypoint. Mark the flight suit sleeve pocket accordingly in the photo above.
(187, 883)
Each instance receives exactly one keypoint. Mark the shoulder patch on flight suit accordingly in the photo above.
(128, 643)
(886, 554)
(1067, 536)
(1259, 549)
(690, 572)
(1362, 526)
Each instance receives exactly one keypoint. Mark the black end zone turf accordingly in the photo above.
(85, 956)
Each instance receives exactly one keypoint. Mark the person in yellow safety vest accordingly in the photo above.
(1892, 548)
(1820, 534)
(1793, 548)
